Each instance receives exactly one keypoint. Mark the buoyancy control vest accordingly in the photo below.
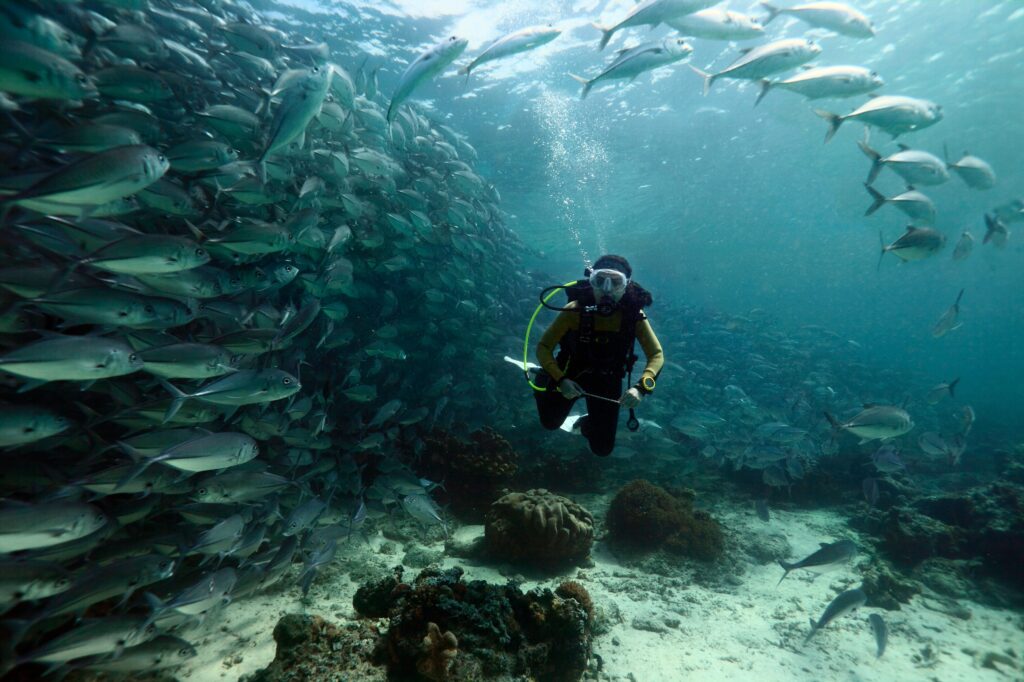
(608, 353)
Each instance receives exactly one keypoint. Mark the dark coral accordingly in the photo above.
(375, 598)
(570, 589)
(310, 649)
(538, 528)
(645, 517)
(442, 628)
(474, 471)
(887, 589)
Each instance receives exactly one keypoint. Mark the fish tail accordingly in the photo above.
(179, 398)
(814, 628)
(464, 71)
(878, 197)
(773, 12)
(835, 425)
(787, 567)
(766, 85)
(709, 79)
(876, 160)
(952, 386)
(956, 303)
(392, 110)
(606, 34)
(834, 121)
(881, 240)
(587, 84)
(990, 227)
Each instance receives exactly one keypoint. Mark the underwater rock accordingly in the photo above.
(645, 517)
(474, 471)
(441, 628)
(986, 523)
(886, 589)
(767, 548)
(374, 598)
(419, 557)
(311, 649)
(538, 528)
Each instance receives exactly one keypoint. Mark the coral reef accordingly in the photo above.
(310, 649)
(986, 523)
(570, 589)
(443, 629)
(887, 589)
(539, 528)
(374, 598)
(644, 517)
(438, 651)
(474, 471)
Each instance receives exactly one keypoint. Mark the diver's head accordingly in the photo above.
(609, 278)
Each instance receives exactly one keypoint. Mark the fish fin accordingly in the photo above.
(878, 197)
(178, 398)
(31, 384)
(834, 121)
(606, 34)
(586, 84)
(766, 85)
(464, 71)
(773, 12)
(709, 79)
(876, 160)
(990, 228)
(832, 420)
(956, 303)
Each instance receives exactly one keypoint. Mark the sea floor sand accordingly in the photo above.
(730, 622)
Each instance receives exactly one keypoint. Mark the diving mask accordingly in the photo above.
(608, 282)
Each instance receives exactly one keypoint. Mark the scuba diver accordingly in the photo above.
(596, 331)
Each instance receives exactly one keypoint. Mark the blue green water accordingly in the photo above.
(730, 207)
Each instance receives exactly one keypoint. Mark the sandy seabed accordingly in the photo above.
(663, 628)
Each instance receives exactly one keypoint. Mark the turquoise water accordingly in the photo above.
(342, 294)
(726, 206)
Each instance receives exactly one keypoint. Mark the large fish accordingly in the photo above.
(424, 68)
(976, 173)
(717, 24)
(894, 114)
(764, 60)
(841, 605)
(915, 204)
(835, 16)
(827, 81)
(32, 526)
(513, 43)
(245, 387)
(949, 320)
(98, 179)
(31, 71)
(995, 231)
(71, 358)
(828, 557)
(915, 166)
(635, 61)
(914, 244)
(964, 246)
(876, 422)
(651, 13)
(300, 103)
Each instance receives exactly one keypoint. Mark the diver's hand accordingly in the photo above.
(630, 399)
(569, 389)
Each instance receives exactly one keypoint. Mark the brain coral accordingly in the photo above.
(538, 527)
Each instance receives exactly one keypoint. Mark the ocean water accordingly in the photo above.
(363, 325)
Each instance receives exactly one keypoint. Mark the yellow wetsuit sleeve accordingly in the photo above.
(550, 339)
(652, 348)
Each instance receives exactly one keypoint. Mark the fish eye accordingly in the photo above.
(81, 78)
(161, 158)
(201, 491)
(149, 308)
(133, 357)
(200, 252)
(287, 381)
(184, 652)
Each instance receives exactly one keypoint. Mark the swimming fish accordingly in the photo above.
(828, 557)
(840, 606)
(424, 68)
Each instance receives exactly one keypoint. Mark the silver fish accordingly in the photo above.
(914, 204)
(840, 606)
(826, 81)
(764, 60)
(995, 231)
(651, 13)
(881, 631)
(876, 422)
(963, 246)
(828, 557)
(424, 68)
(513, 43)
(976, 173)
(635, 61)
(717, 24)
(895, 114)
(914, 244)
(915, 166)
(835, 16)
(949, 320)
